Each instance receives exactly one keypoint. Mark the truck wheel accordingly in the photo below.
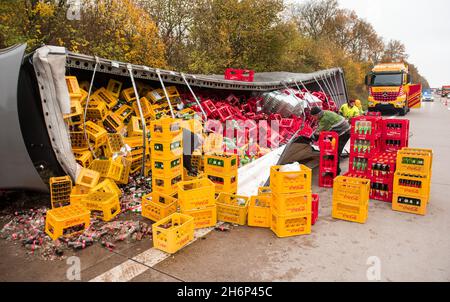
(403, 111)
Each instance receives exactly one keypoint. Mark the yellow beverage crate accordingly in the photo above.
(410, 204)
(60, 189)
(124, 176)
(165, 129)
(146, 106)
(83, 99)
(75, 117)
(88, 178)
(167, 186)
(103, 94)
(143, 88)
(84, 158)
(156, 206)
(113, 122)
(134, 127)
(232, 208)
(96, 109)
(107, 168)
(66, 221)
(172, 92)
(136, 144)
(221, 164)
(114, 144)
(290, 182)
(84, 85)
(411, 184)
(204, 217)
(166, 150)
(124, 112)
(224, 183)
(193, 125)
(352, 190)
(292, 203)
(197, 162)
(417, 161)
(77, 193)
(129, 95)
(173, 232)
(290, 225)
(188, 177)
(155, 96)
(104, 205)
(167, 168)
(96, 134)
(78, 140)
(264, 191)
(74, 88)
(259, 211)
(108, 185)
(213, 143)
(114, 88)
(194, 194)
(354, 212)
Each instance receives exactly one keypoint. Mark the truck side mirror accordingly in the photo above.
(408, 79)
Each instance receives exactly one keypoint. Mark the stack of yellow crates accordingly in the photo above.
(351, 199)
(291, 201)
(222, 170)
(412, 180)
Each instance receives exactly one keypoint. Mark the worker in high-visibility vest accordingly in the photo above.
(359, 105)
(349, 110)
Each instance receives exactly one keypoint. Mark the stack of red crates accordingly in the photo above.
(328, 144)
(381, 174)
(364, 143)
(395, 135)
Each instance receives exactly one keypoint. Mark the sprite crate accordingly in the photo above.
(60, 189)
(165, 129)
(224, 183)
(84, 158)
(172, 233)
(113, 122)
(107, 168)
(411, 184)
(417, 161)
(128, 95)
(96, 109)
(221, 164)
(167, 168)
(290, 182)
(264, 191)
(259, 211)
(156, 206)
(290, 225)
(124, 112)
(114, 144)
(88, 178)
(410, 204)
(96, 134)
(204, 217)
(74, 88)
(198, 193)
(77, 193)
(134, 127)
(78, 141)
(108, 185)
(114, 88)
(232, 208)
(166, 150)
(124, 176)
(66, 221)
(352, 190)
(107, 98)
(291, 203)
(104, 205)
(167, 186)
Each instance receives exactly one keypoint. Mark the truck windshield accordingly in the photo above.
(391, 79)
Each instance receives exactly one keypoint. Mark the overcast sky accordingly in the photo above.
(422, 25)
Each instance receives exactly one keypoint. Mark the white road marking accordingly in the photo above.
(137, 265)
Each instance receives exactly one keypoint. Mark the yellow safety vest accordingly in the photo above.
(348, 112)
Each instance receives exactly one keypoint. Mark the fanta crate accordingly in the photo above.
(124, 176)
(259, 211)
(221, 164)
(410, 204)
(156, 206)
(411, 185)
(315, 208)
(224, 183)
(290, 182)
(351, 190)
(114, 144)
(88, 178)
(74, 88)
(292, 203)
(245, 75)
(84, 158)
(104, 205)
(167, 186)
(165, 129)
(60, 189)
(411, 160)
(108, 185)
(264, 191)
(66, 221)
(204, 217)
(96, 109)
(124, 112)
(105, 96)
(114, 88)
(173, 232)
(113, 122)
(96, 134)
(129, 95)
(290, 225)
(167, 168)
(232, 208)
(194, 194)
(107, 168)
(166, 150)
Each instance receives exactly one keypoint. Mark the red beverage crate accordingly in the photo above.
(373, 113)
(328, 144)
(315, 208)
(396, 128)
(392, 145)
(381, 189)
(382, 166)
(209, 107)
(245, 75)
(366, 127)
(359, 165)
(286, 123)
(364, 147)
(224, 113)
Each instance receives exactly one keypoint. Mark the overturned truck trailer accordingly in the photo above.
(35, 143)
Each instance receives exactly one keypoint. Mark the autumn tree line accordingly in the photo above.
(208, 36)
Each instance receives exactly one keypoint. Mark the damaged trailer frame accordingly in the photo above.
(35, 143)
